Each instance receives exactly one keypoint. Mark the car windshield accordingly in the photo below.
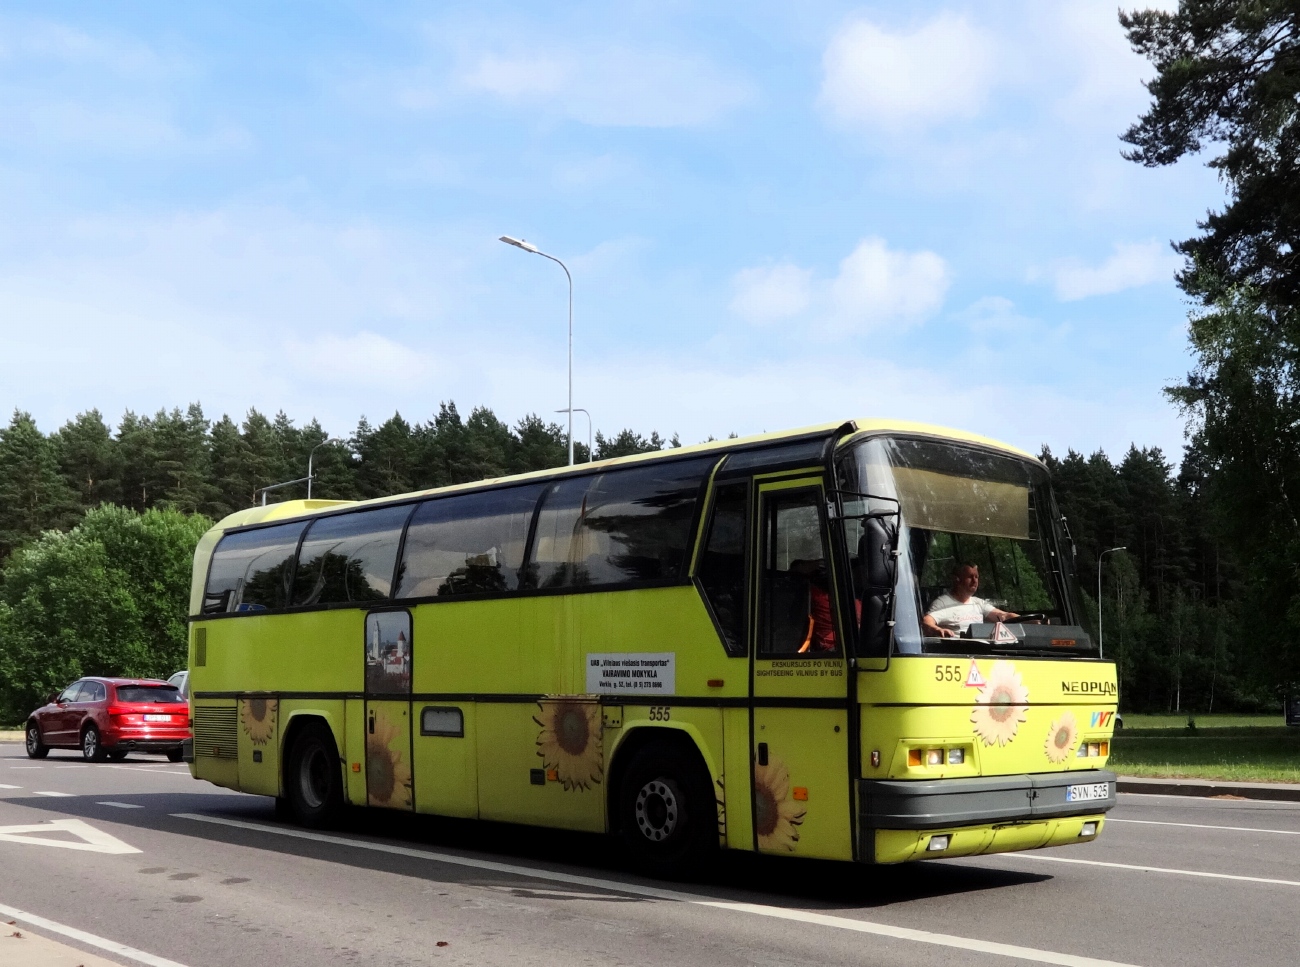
(151, 694)
(979, 548)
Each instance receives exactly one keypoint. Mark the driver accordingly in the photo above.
(954, 611)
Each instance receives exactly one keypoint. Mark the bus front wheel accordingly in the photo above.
(313, 781)
(667, 813)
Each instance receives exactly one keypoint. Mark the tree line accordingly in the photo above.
(1172, 603)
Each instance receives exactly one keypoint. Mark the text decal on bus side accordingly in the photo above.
(639, 673)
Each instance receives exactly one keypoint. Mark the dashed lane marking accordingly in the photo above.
(88, 838)
(120, 805)
(59, 795)
(89, 939)
(1030, 954)
(5, 785)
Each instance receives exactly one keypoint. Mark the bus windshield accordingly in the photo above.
(980, 564)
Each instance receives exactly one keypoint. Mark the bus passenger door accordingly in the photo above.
(387, 717)
(801, 781)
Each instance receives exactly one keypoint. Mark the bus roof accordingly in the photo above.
(845, 431)
(849, 429)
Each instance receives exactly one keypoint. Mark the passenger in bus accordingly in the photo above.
(954, 611)
(821, 622)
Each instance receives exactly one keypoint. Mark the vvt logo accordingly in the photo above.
(1101, 719)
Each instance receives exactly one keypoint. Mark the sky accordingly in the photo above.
(774, 214)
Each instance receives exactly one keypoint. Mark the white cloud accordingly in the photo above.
(771, 293)
(362, 359)
(875, 286)
(610, 85)
(1133, 264)
(942, 69)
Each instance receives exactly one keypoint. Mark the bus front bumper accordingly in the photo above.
(930, 819)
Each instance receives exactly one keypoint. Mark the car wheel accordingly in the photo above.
(313, 780)
(91, 750)
(117, 755)
(36, 749)
(667, 813)
(175, 755)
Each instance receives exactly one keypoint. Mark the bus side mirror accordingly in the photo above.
(878, 557)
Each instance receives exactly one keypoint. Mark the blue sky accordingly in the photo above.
(775, 214)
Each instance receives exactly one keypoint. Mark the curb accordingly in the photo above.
(15, 736)
(1275, 791)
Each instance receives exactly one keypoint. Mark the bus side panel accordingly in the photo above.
(736, 781)
(259, 745)
(446, 765)
(540, 763)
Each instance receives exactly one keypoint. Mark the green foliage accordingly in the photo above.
(108, 597)
(1228, 80)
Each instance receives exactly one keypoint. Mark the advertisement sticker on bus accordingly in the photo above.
(651, 673)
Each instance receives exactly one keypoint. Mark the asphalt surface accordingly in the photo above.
(173, 871)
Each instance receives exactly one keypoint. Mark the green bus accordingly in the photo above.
(750, 644)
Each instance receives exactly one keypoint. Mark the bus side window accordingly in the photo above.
(795, 586)
(468, 544)
(620, 527)
(251, 570)
(349, 557)
(722, 565)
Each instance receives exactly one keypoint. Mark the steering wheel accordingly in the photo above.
(1027, 616)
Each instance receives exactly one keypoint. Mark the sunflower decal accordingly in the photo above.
(257, 718)
(776, 817)
(1061, 738)
(570, 741)
(388, 775)
(1002, 705)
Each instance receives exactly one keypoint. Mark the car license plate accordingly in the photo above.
(1087, 792)
(167, 718)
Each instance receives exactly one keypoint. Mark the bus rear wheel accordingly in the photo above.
(667, 812)
(313, 781)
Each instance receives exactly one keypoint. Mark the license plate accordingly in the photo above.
(157, 718)
(1087, 792)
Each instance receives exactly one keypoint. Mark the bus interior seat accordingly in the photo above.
(788, 608)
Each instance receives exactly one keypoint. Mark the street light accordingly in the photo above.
(530, 247)
(591, 455)
(311, 456)
(1100, 632)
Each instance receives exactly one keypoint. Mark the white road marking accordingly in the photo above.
(1233, 829)
(112, 946)
(91, 839)
(5, 785)
(120, 805)
(60, 795)
(27, 767)
(758, 909)
(1206, 802)
(1149, 869)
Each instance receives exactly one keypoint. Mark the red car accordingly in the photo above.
(110, 717)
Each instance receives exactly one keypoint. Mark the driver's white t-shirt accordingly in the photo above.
(957, 616)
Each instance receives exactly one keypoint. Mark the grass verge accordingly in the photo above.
(1233, 753)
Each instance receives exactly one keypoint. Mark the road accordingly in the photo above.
(182, 872)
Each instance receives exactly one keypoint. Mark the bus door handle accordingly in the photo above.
(762, 753)
(372, 723)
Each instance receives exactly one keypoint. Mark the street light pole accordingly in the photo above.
(310, 457)
(1100, 628)
(591, 453)
(530, 247)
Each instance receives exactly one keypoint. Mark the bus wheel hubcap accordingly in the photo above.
(657, 810)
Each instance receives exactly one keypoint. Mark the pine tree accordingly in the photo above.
(33, 495)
